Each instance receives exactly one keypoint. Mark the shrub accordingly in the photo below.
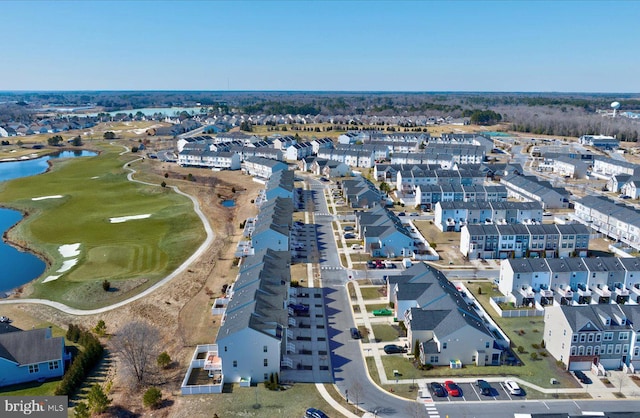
(164, 360)
(83, 363)
(106, 285)
(163, 184)
(98, 400)
(152, 398)
(81, 410)
(534, 356)
(134, 149)
(536, 346)
(100, 328)
(520, 349)
(166, 175)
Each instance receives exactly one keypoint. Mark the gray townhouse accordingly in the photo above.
(361, 193)
(383, 233)
(450, 216)
(596, 337)
(516, 241)
(605, 167)
(427, 196)
(531, 189)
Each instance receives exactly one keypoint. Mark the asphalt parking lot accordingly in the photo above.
(470, 392)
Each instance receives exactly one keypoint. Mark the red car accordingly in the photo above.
(451, 388)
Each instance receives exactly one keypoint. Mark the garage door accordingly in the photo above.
(580, 365)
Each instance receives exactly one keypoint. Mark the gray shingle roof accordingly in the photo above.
(30, 347)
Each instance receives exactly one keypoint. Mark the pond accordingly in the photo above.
(20, 267)
(229, 203)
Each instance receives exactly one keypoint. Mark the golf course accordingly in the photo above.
(92, 224)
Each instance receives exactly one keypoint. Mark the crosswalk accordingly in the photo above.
(331, 268)
(432, 411)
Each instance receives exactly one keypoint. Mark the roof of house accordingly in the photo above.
(30, 347)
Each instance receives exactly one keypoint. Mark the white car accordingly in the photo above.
(356, 247)
(512, 387)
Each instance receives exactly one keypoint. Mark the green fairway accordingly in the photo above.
(132, 255)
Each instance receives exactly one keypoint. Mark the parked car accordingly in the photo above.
(379, 264)
(437, 389)
(484, 387)
(348, 228)
(582, 377)
(355, 333)
(512, 387)
(315, 413)
(401, 214)
(356, 247)
(349, 236)
(414, 214)
(371, 264)
(389, 265)
(451, 388)
(4, 319)
(382, 312)
(394, 349)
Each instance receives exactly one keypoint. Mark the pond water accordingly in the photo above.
(20, 267)
(229, 203)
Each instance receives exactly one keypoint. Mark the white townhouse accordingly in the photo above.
(599, 141)
(571, 167)
(605, 167)
(283, 142)
(321, 143)
(617, 221)
(632, 189)
(253, 336)
(451, 216)
(262, 167)
(531, 189)
(299, 151)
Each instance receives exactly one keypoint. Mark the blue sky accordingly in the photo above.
(566, 46)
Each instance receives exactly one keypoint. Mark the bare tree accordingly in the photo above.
(137, 344)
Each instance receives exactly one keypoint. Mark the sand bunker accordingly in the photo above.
(128, 218)
(55, 196)
(50, 279)
(66, 266)
(69, 250)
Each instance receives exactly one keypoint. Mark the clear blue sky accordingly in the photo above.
(566, 46)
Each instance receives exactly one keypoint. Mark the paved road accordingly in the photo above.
(203, 247)
(349, 368)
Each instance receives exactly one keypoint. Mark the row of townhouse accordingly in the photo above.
(329, 168)
(600, 141)
(516, 241)
(272, 225)
(617, 221)
(361, 193)
(389, 172)
(223, 160)
(459, 139)
(253, 336)
(300, 150)
(594, 337)
(374, 137)
(408, 180)
(442, 154)
(436, 315)
(531, 189)
(605, 167)
(450, 216)
(570, 167)
(383, 234)
(427, 196)
(350, 157)
(262, 167)
(571, 280)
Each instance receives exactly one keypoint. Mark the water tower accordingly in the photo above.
(615, 106)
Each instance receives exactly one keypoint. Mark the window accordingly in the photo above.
(34, 368)
(486, 345)
(618, 348)
(623, 336)
(596, 350)
(575, 338)
(225, 348)
(610, 349)
(588, 350)
(266, 362)
(581, 350)
(636, 351)
(598, 337)
(583, 338)
(235, 363)
(266, 376)
(433, 359)
(625, 349)
(264, 349)
(444, 346)
(53, 365)
(573, 351)
(608, 336)
(590, 338)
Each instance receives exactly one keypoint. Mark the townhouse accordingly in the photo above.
(350, 157)
(617, 221)
(299, 150)
(594, 337)
(570, 167)
(361, 193)
(600, 141)
(253, 336)
(605, 167)
(428, 195)
(516, 241)
(408, 180)
(450, 216)
(209, 159)
(446, 328)
(531, 189)
(257, 150)
(262, 167)
(383, 234)
(273, 224)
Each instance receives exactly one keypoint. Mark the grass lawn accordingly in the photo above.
(386, 333)
(373, 306)
(241, 402)
(370, 292)
(132, 255)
